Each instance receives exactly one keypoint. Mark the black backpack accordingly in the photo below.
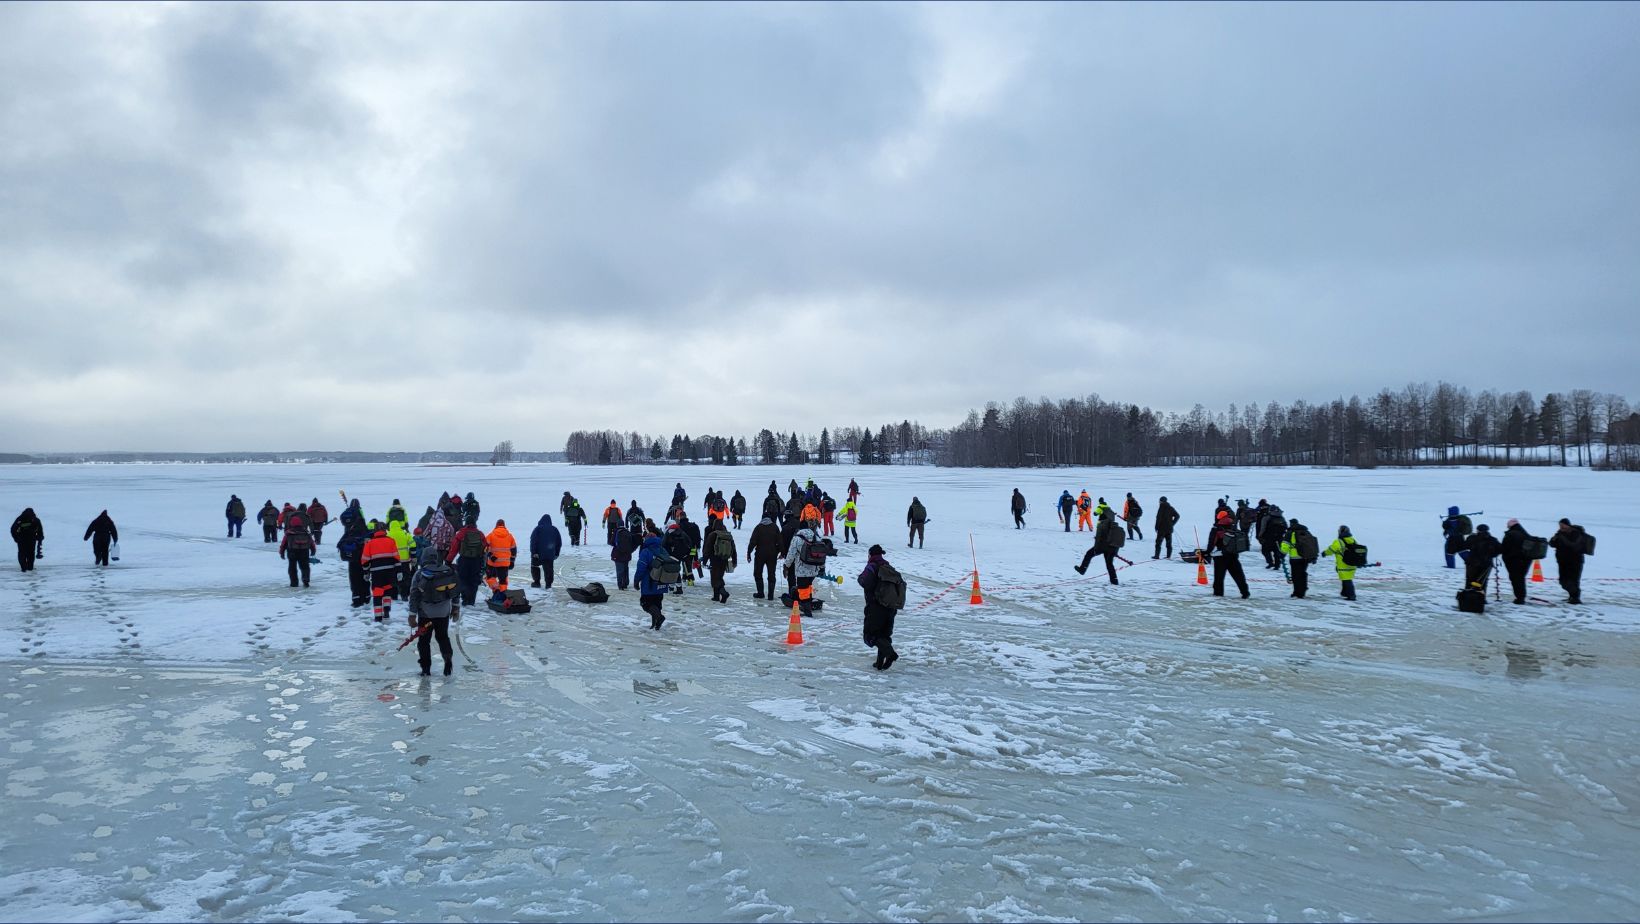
(890, 587)
(1135, 511)
(919, 513)
(1534, 547)
(472, 545)
(1588, 544)
(1113, 536)
(814, 554)
(438, 583)
(1355, 554)
(1233, 542)
(1309, 548)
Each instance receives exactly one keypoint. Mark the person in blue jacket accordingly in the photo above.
(650, 594)
(1067, 504)
(545, 544)
(1453, 532)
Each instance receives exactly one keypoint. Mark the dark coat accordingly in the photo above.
(102, 531)
(787, 531)
(1511, 547)
(764, 546)
(1568, 546)
(1166, 516)
(27, 528)
(1482, 548)
(626, 542)
(545, 541)
(737, 504)
(706, 545)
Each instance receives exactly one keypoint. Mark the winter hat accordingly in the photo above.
(1565, 522)
(1483, 528)
(501, 522)
(1343, 532)
(1451, 511)
(395, 500)
(875, 550)
(1513, 522)
(1164, 498)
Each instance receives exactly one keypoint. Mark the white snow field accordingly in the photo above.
(184, 737)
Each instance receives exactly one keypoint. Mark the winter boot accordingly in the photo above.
(1079, 569)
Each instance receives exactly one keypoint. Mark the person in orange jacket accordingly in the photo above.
(612, 520)
(502, 552)
(1084, 511)
(380, 560)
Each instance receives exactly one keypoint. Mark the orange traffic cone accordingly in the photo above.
(794, 631)
(1201, 570)
(974, 599)
(1537, 572)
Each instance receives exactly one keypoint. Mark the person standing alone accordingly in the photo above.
(102, 534)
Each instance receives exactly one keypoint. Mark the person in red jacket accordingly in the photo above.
(380, 560)
(470, 546)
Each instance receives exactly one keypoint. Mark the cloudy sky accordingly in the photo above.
(408, 227)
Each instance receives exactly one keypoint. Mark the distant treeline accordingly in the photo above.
(1420, 424)
(289, 457)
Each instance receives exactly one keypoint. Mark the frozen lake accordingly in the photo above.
(184, 737)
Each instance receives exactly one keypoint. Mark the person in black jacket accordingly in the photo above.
(1166, 517)
(626, 545)
(1569, 542)
(679, 545)
(762, 550)
(878, 630)
(1102, 545)
(1226, 560)
(30, 535)
(737, 508)
(102, 534)
(720, 556)
(1512, 551)
(1482, 548)
(268, 517)
(1019, 507)
(773, 508)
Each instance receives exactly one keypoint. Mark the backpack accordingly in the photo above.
(1471, 600)
(237, 510)
(1309, 548)
(814, 554)
(1234, 542)
(472, 545)
(1465, 525)
(1534, 547)
(890, 587)
(723, 545)
(664, 569)
(1135, 511)
(1588, 544)
(1355, 554)
(1275, 522)
(919, 513)
(438, 584)
(1114, 536)
(298, 538)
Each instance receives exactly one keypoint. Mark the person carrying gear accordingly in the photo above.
(1225, 541)
(30, 535)
(1067, 504)
(885, 595)
(1512, 549)
(1018, 506)
(1084, 512)
(103, 534)
(1106, 540)
(626, 545)
(916, 517)
(396, 514)
(1339, 550)
(718, 546)
(737, 508)
(574, 518)
(1571, 544)
(545, 545)
(853, 490)
(679, 545)
(851, 516)
(350, 548)
(1272, 528)
(1302, 550)
(435, 601)
(612, 520)
(236, 516)
(634, 519)
(679, 495)
(1131, 512)
(763, 550)
(468, 550)
(318, 516)
(1482, 548)
(499, 557)
(469, 507)
(806, 559)
(268, 519)
(380, 559)
(398, 531)
(692, 566)
(828, 511)
(296, 548)
(651, 593)
(773, 509)
(1166, 517)
(1455, 531)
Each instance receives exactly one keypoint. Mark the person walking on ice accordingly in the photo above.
(103, 533)
(1018, 506)
(916, 517)
(435, 602)
(885, 595)
(1346, 560)
(1131, 512)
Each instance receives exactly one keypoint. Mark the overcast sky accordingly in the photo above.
(391, 227)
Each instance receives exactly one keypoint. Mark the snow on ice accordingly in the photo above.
(184, 737)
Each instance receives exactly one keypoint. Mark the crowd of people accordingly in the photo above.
(437, 565)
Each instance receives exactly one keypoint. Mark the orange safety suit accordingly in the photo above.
(499, 557)
(379, 559)
(1084, 512)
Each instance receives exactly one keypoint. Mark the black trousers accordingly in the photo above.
(651, 604)
(1134, 532)
(1110, 561)
(718, 566)
(318, 535)
(270, 532)
(424, 645)
(1271, 553)
(623, 571)
(1231, 565)
(99, 551)
(850, 531)
(1476, 571)
(1571, 577)
(356, 580)
(296, 560)
(878, 630)
(25, 555)
(1517, 576)
(737, 517)
(1067, 516)
(1301, 576)
(1019, 519)
(1161, 539)
(470, 572)
(574, 527)
(916, 535)
(541, 573)
(759, 569)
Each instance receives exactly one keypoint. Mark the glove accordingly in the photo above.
(535, 561)
(281, 554)
(455, 615)
(411, 620)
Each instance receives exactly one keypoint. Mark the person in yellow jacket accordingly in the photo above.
(499, 557)
(406, 543)
(1346, 573)
(850, 514)
(1084, 512)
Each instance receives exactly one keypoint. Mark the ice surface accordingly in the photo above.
(183, 737)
